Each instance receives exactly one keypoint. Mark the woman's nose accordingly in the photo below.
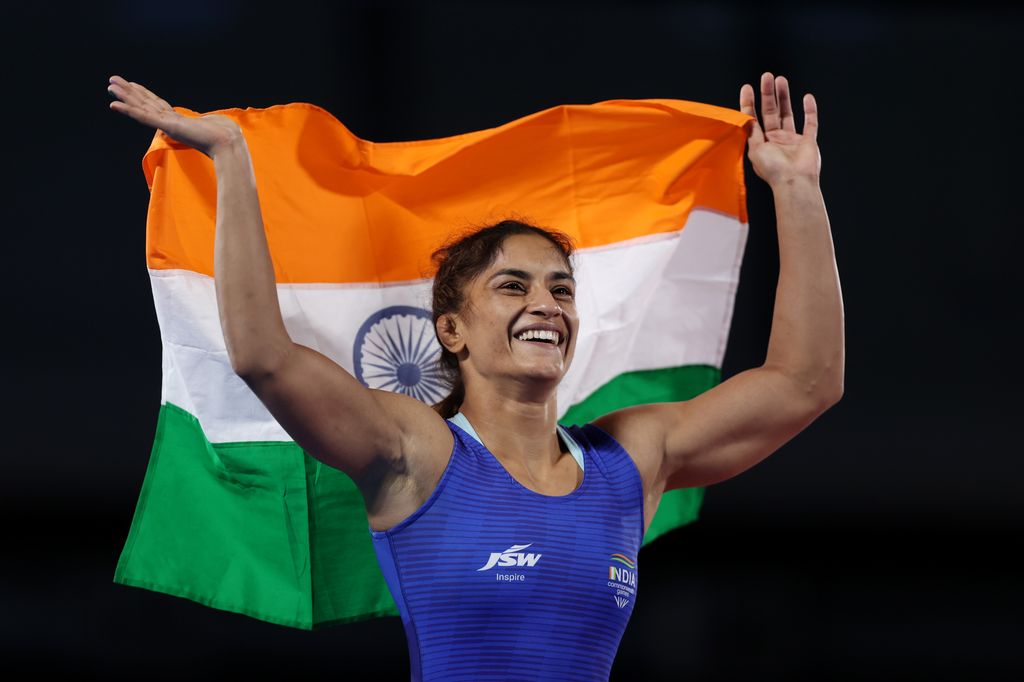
(546, 306)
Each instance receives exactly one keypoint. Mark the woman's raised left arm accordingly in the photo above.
(739, 422)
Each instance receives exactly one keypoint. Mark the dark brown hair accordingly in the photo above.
(458, 263)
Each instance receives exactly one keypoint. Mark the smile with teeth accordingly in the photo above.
(542, 335)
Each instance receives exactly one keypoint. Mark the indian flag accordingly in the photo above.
(232, 513)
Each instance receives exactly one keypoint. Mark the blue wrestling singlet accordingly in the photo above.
(497, 582)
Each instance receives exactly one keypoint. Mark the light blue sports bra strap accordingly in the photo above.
(574, 448)
(463, 423)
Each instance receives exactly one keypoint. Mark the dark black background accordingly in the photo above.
(875, 545)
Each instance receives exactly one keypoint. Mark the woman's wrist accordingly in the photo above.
(232, 146)
(796, 182)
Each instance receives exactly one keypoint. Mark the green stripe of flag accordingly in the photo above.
(258, 528)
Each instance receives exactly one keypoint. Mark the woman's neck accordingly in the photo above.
(520, 430)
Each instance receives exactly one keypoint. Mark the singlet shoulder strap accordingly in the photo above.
(574, 448)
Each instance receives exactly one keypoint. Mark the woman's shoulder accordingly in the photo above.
(629, 430)
(597, 437)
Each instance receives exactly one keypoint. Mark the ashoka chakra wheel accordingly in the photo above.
(396, 350)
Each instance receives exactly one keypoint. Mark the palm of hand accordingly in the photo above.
(777, 151)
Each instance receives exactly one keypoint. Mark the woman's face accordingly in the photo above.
(520, 317)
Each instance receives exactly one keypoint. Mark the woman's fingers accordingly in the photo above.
(128, 95)
(124, 91)
(136, 94)
(143, 115)
(140, 104)
(150, 97)
(756, 135)
(785, 106)
(810, 116)
(769, 103)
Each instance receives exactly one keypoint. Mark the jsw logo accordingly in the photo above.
(513, 556)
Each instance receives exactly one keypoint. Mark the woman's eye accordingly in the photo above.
(563, 291)
(514, 286)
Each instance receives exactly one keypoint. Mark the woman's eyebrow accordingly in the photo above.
(523, 274)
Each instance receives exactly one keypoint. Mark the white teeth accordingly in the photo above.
(540, 334)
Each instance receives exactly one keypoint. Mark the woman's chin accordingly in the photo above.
(550, 372)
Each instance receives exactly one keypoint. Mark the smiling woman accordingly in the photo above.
(560, 512)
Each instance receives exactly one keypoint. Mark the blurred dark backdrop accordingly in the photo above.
(878, 544)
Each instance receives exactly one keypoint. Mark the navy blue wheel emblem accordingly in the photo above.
(396, 351)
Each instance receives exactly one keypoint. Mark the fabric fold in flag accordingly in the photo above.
(234, 514)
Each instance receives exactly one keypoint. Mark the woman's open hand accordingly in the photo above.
(778, 152)
(205, 133)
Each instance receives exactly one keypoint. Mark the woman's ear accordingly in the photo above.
(448, 332)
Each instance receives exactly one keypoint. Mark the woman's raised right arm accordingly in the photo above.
(325, 409)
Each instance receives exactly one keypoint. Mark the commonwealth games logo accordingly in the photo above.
(622, 578)
(396, 351)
